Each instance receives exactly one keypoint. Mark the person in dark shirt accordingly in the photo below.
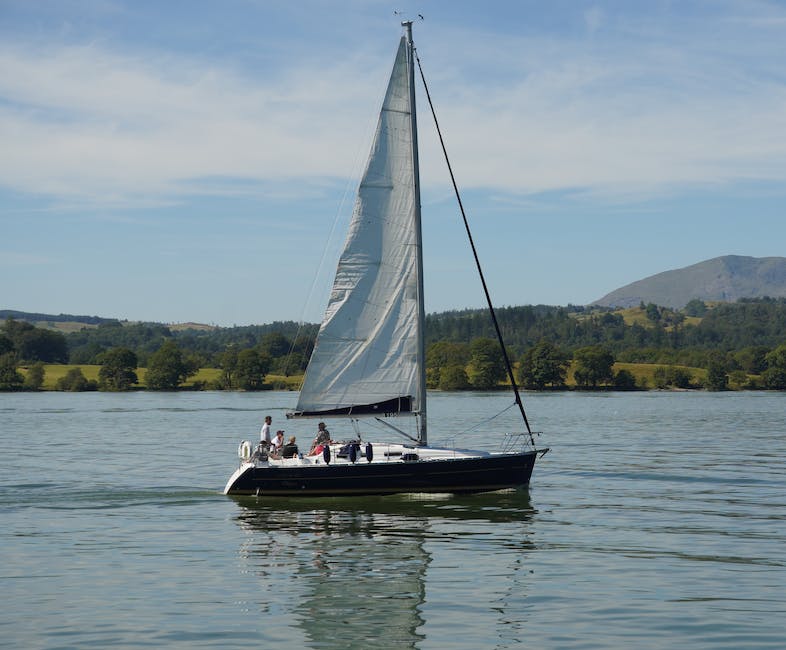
(289, 450)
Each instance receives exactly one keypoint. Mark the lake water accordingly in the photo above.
(657, 520)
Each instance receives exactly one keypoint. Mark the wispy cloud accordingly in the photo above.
(640, 104)
(84, 122)
(618, 111)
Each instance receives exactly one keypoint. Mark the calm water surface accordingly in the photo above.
(658, 519)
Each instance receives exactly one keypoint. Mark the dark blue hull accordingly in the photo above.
(459, 475)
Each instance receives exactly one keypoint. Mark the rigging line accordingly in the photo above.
(475, 254)
(493, 417)
(397, 430)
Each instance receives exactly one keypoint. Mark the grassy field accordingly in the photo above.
(637, 315)
(644, 374)
(53, 372)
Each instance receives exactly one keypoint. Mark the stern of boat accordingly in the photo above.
(238, 473)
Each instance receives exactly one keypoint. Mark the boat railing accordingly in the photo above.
(447, 442)
(517, 441)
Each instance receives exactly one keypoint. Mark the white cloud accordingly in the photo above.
(84, 122)
(648, 107)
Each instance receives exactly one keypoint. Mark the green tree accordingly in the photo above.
(447, 353)
(35, 376)
(717, 376)
(118, 370)
(275, 345)
(752, 359)
(739, 379)
(228, 365)
(288, 365)
(671, 376)
(442, 355)
(167, 369)
(774, 377)
(10, 377)
(653, 312)
(680, 378)
(44, 345)
(36, 344)
(193, 362)
(252, 366)
(75, 381)
(87, 354)
(594, 366)
(624, 380)
(544, 365)
(695, 307)
(486, 365)
(302, 348)
(453, 378)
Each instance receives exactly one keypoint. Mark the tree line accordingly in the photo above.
(728, 340)
(667, 335)
(244, 355)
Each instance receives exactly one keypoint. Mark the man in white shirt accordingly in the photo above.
(264, 434)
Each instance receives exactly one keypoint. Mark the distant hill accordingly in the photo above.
(726, 279)
(70, 322)
(52, 321)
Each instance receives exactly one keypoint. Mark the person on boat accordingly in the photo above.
(277, 445)
(289, 450)
(264, 433)
(321, 439)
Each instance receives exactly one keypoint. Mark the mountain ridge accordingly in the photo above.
(727, 278)
(723, 279)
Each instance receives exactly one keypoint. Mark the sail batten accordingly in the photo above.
(366, 357)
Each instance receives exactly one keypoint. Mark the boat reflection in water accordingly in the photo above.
(380, 572)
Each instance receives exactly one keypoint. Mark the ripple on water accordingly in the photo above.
(656, 521)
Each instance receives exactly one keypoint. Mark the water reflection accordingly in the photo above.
(366, 573)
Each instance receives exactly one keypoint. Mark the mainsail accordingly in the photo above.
(368, 353)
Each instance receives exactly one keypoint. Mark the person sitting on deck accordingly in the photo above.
(277, 444)
(289, 450)
(322, 438)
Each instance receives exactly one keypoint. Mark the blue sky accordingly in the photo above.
(195, 161)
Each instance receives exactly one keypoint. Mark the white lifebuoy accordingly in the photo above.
(244, 450)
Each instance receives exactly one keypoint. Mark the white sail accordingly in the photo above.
(366, 357)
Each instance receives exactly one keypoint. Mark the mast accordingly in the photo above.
(421, 336)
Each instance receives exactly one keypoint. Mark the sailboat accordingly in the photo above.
(368, 362)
